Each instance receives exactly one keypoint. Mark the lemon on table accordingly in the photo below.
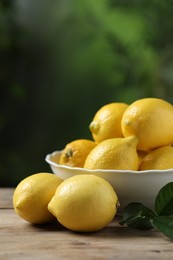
(106, 123)
(84, 203)
(158, 159)
(32, 195)
(116, 153)
(151, 120)
(75, 152)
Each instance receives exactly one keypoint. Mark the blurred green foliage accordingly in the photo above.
(60, 61)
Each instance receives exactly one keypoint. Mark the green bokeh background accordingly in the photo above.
(60, 61)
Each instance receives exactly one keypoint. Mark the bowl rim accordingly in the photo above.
(49, 161)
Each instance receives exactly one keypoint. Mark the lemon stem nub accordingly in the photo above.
(69, 153)
(118, 204)
(94, 127)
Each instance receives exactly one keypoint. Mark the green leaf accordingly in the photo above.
(163, 224)
(136, 215)
(164, 200)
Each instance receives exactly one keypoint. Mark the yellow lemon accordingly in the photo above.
(32, 195)
(158, 159)
(116, 153)
(75, 152)
(151, 120)
(84, 203)
(106, 123)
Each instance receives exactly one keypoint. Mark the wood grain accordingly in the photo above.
(22, 240)
(6, 197)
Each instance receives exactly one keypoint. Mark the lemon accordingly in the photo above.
(32, 195)
(106, 123)
(158, 159)
(75, 152)
(151, 120)
(116, 153)
(84, 203)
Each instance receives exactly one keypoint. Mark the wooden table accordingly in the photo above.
(22, 240)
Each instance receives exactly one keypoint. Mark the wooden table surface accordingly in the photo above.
(22, 240)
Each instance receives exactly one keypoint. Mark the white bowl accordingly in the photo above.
(130, 186)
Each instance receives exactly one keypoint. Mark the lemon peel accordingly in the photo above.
(106, 123)
(114, 154)
(84, 203)
(151, 120)
(32, 195)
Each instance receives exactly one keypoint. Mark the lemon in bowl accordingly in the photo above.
(124, 158)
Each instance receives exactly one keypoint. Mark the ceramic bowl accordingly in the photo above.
(130, 186)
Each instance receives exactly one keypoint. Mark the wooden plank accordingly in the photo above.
(21, 240)
(6, 197)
